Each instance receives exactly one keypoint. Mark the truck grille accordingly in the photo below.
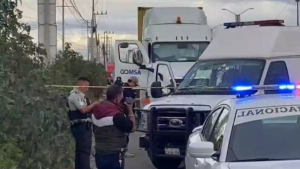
(177, 120)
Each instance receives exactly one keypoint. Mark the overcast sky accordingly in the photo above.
(122, 15)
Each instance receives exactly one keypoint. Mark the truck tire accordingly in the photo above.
(164, 163)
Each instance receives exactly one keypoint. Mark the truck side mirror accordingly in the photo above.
(161, 77)
(124, 45)
(156, 90)
(137, 57)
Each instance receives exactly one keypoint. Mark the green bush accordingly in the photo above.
(70, 65)
(34, 129)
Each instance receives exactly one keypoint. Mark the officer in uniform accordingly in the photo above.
(79, 115)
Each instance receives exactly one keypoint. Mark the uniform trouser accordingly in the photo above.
(82, 132)
(110, 161)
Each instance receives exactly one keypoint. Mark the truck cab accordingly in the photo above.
(252, 55)
(173, 38)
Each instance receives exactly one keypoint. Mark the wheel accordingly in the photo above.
(164, 163)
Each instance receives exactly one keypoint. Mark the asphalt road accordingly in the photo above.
(140, 161)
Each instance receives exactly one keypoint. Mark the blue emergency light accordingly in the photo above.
(266, 87)
(243, 91)
(251, 23)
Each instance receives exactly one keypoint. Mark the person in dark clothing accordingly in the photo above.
(131, 83)
(119, 81)
(110, 129)
(128, 92)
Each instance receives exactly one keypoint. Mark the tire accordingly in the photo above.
(165, 163)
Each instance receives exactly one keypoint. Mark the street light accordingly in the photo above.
(297, 12)
(238, 16)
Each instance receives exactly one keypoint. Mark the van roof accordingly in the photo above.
(254, 42)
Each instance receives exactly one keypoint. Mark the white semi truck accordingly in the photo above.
(173, 37)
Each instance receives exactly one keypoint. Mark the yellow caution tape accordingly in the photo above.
(105, 87)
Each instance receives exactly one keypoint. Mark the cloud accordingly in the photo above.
(122, 15)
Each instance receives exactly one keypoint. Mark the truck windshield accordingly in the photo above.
(223, 73)
(178, 51)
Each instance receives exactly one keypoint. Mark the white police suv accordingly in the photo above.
(255, 132)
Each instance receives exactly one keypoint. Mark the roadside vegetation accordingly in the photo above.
(34, 129)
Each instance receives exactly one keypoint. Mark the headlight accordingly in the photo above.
(143, 121)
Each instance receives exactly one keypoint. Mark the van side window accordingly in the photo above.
(277, 74)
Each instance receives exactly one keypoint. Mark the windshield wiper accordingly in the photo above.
(257, 159)
(191, 87)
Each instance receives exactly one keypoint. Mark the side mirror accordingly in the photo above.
(156, 90)
(199, 128)
(137, 57)
(124, 45)
(201, 149)
(149, 66)
(160, 76)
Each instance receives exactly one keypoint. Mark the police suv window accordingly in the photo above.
(209, 123)
(277, 74)
(217, 133)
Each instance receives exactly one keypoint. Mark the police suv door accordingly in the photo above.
(125, 65)
(213, 131)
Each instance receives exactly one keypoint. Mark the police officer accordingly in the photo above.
(79, 115)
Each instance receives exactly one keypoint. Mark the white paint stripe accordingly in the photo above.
(106, 121)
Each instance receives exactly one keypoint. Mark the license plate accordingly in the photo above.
(172, 151)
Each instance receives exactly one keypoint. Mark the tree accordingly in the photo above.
(70, 65)
(34, 129)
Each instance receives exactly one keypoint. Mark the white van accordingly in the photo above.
(253, 55)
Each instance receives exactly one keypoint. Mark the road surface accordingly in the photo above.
(140, 161)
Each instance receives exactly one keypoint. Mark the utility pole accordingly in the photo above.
(97, 36)
(98, 47)
(63, 24)
(297, 12)
(106, 33)
(97, 58)
(109, 49)
(237, 16)
(47, 30)
(92, 32)
(87, 37)
(63, 27)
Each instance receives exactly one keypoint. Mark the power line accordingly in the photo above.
(75, 16)
(283, 8)
(75, 45)
(81, 5)
(28, 6)
(76, 9)
(66, 23)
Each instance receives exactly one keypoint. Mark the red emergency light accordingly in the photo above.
(251, 23)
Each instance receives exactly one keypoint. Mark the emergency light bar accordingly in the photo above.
(251, 23)
(266, 87)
